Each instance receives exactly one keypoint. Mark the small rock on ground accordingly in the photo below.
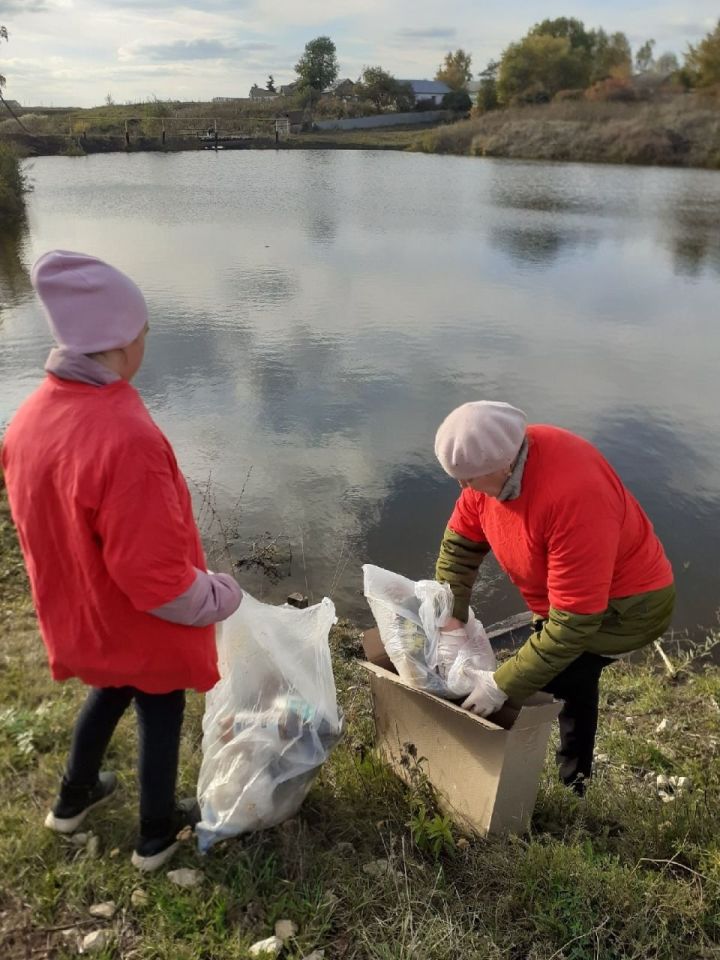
(286, 929)
(96, 941)
(668, 788)
(185, 877)
(104, 911)
(270, 947)
(92, 848)
(138, 898)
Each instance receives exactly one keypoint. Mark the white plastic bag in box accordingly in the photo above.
(409, 616)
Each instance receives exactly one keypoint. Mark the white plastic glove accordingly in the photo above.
(487, 697)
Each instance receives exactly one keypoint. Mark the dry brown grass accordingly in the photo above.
(682, 130)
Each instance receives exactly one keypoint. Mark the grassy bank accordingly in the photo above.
(619, 875)
(392, 138)
(672, 130)
(683, 130)
(12, 186)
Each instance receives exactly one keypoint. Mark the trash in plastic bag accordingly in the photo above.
(270, 722)
(409, 616)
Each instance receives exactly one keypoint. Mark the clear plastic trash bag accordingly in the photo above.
(270, 722)
(409, 615)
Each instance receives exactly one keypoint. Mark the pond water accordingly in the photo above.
(315, 315)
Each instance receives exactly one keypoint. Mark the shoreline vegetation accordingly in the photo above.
(13, 186)
(369, 869)
(681, 130)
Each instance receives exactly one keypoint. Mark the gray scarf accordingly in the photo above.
(513, 484)
(69, 365)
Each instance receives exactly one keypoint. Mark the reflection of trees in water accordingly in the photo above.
(545, 189)
(694, 234)
(14, 278)
(530, 245)
(519, 196)
(320, 200)
(321, 228)
(539, 245)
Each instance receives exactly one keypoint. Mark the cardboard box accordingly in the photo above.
(485, 772)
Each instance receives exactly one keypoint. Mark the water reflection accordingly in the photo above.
(319, 199)
(693, 234)
(314, 316)
(14, 276)
(539, 246)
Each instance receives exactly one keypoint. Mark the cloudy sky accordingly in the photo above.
(75, 52)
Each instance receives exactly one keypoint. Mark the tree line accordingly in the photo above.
(556, 55)
(563, 55)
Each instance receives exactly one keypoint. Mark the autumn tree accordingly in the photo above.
(644, 60)
(456, 70)
(611, 55)
(487, 98)
(384, 91)
(540, 65)
(318, 66)
(566, 28)
(703, 61)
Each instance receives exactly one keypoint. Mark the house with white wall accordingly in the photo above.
(428, 90)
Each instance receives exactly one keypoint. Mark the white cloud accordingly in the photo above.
(24, 6)
(198, 49)
(94, 42)
(426, 34)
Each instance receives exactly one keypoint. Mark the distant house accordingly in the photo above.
(428, 90)
(14, 106)
(288, 89)
(229, 99)
(260, 93)
(344, 89)
(474, 87)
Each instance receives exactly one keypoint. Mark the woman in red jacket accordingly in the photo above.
(116, 567)
(575, 542)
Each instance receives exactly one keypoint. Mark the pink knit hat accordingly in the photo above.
(90, 305)
(479, 438)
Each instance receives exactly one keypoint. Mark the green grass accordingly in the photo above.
(618, 875)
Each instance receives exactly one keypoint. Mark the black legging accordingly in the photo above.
(159, 717)
(579, 687)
